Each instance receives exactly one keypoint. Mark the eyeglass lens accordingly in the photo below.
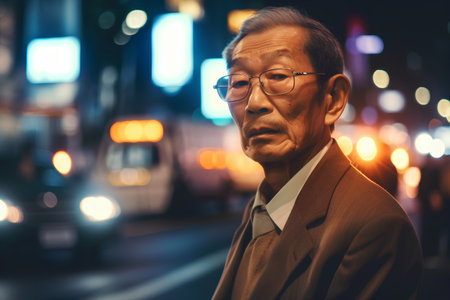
(273, 82)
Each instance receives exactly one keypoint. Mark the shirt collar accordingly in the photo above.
(280, 206)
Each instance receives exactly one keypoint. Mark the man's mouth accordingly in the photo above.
(261, 131)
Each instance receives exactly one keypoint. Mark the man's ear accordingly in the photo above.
(337, 90)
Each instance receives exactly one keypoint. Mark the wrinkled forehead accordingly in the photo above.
(272, 55)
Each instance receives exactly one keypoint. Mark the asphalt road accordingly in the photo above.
(154, 259)
(160, 259)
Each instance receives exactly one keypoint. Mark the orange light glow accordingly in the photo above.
(15, 215)
(220, 159)
(211, 158)
(412, 176)
(366, 148)
(237, 17)
(400, 158)
(129, 177)
(205, 159)
(62, 162)
(346, 144)
(153, 131)
(238, 162)
(235, 161)
(135, 131)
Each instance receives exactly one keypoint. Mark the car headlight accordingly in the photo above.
(99, 208)
(9, 212)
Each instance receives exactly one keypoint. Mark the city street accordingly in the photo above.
(155, 259)
(133, 133)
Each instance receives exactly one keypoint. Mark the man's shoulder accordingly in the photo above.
(359, 203)
(360, 193)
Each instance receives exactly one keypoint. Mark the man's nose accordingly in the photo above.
(258, 101)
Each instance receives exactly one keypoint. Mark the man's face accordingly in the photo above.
(282, 127)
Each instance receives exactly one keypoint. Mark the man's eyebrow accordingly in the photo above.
(233, 62)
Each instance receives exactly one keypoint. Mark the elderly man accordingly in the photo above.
(317, 228)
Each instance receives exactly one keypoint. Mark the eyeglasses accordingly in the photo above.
(235, 87)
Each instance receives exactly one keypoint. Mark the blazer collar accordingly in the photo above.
(309, 210)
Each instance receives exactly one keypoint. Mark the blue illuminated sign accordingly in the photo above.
(212, 106)
(172, 51)
(52, 60)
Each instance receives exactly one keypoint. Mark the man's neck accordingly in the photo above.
(278, 173)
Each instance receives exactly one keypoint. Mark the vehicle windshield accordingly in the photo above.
(131, 155)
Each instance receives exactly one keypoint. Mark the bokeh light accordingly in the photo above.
(3, 210)
(369, 44)
(51, 60)
(212, 107)
(127, 30)
(422, 95)
(400, 158)
(134, 131)
(412, 176)
(443, 108)
(106, 20)
(15, 214)
(238, 163)
(422, 143)
(136, 19)
(6, 60)
(380, 79)
(237, 17)
(443, 133)
(391, 101)
(394, 134)
(369, 115)
(49, 200)
(121, 39)
(62, 162)
(172, 51)
(366, 148)
(99, 208)
(437, 148)
(192, 8)
(346, 144)
(129, 177)
(212, 159)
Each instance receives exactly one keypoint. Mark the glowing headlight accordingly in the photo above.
(10, 212)
(99, 208)
(3, 210)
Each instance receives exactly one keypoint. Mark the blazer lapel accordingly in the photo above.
(309, 210)
(241, 239)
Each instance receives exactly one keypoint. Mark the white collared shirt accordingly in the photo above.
(280, 206)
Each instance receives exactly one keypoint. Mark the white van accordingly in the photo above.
(152, 166)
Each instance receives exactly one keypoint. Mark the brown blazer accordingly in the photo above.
(346, 238)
